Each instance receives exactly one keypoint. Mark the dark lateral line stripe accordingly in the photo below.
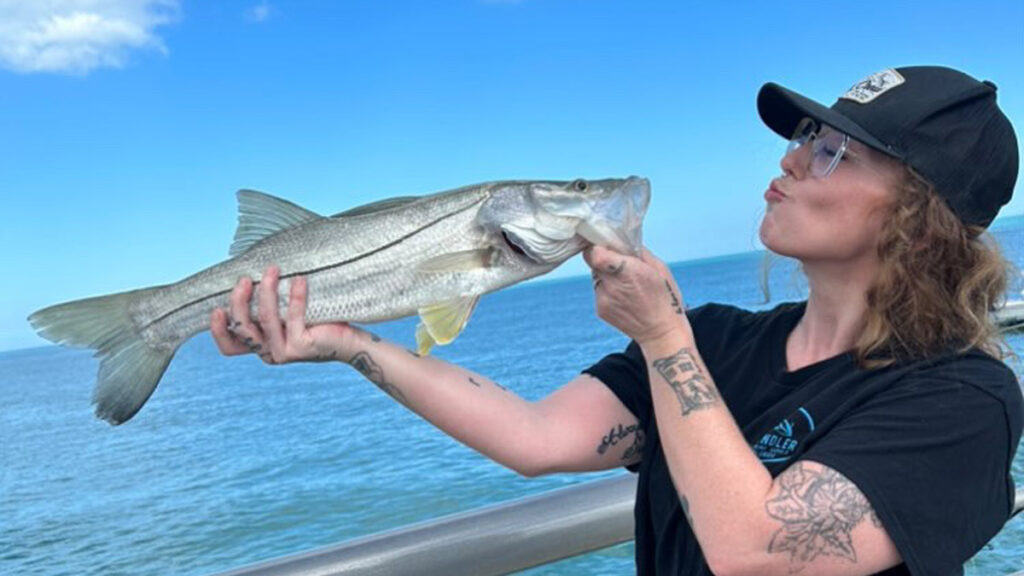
(322, 268)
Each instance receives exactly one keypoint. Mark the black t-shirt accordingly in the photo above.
(930, 444)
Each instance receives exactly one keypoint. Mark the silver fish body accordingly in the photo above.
(433, 256)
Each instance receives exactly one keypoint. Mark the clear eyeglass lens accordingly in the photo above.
(827, 151)
(804, 131)
(827, 146)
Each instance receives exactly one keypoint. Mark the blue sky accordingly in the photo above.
(126, 126)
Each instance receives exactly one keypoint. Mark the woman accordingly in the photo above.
(867, 430)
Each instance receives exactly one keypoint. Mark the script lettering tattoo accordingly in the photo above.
(818, 510)
(693, 389)
(676, 306)
(616, 435)
(364, 363)
(636, 447)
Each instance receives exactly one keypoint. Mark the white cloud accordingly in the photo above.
(76, 36)
(258, 13)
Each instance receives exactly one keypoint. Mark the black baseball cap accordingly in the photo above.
(943, 123)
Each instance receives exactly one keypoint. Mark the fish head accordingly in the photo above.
(550, 221)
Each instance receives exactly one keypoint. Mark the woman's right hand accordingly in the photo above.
(278, 341)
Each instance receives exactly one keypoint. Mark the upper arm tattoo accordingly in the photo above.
(694, 390)
(818, 509)
(619, 434)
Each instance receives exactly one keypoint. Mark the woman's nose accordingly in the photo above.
(795, 161)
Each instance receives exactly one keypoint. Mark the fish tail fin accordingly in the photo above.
(130, 368)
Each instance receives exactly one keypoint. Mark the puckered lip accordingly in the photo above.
(774, 192)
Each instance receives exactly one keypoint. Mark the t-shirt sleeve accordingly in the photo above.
(625, 374)
(933, 456)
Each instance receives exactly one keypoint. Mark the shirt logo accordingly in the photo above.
(781, 443)
(874, 86)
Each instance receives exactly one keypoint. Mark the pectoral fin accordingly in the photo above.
(441, 323)
(459, 261)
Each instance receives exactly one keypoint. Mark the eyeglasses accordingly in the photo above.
(827, 146)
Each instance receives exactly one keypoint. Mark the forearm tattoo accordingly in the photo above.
(694, 390)
(818, 510)
(676, 306)
(619, 434)
(479, 385)
(364, 363)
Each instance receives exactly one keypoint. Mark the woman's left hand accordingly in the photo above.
(636, 295)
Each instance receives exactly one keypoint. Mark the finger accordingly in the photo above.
(616, 268)
(295, 324)
(270, 315)
(225, 340)
(607, 260)
(238, 302)
(241, 323)
(588, 256)
(598, 257)
(657, 263)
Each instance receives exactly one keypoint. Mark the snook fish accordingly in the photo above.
(432, 255)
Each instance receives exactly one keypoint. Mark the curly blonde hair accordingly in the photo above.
(939, 281)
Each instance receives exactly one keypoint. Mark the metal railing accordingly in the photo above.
(495, 540)
(1010, 316)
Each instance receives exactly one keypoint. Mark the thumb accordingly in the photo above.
(655, 262)
(597, 256)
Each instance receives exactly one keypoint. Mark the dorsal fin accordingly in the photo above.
(378, 206)
(261, 215)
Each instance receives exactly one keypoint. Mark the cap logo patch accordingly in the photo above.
(874, 86)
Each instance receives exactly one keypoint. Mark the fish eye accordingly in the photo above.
(580, 185)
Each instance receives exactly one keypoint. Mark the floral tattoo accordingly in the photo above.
(818, 510)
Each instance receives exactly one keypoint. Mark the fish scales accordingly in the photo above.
(433, 256)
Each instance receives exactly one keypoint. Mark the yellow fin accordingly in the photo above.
(456, 261)
(424, 341)
(441, 323)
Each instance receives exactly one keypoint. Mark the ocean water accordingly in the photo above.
(234, 462)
